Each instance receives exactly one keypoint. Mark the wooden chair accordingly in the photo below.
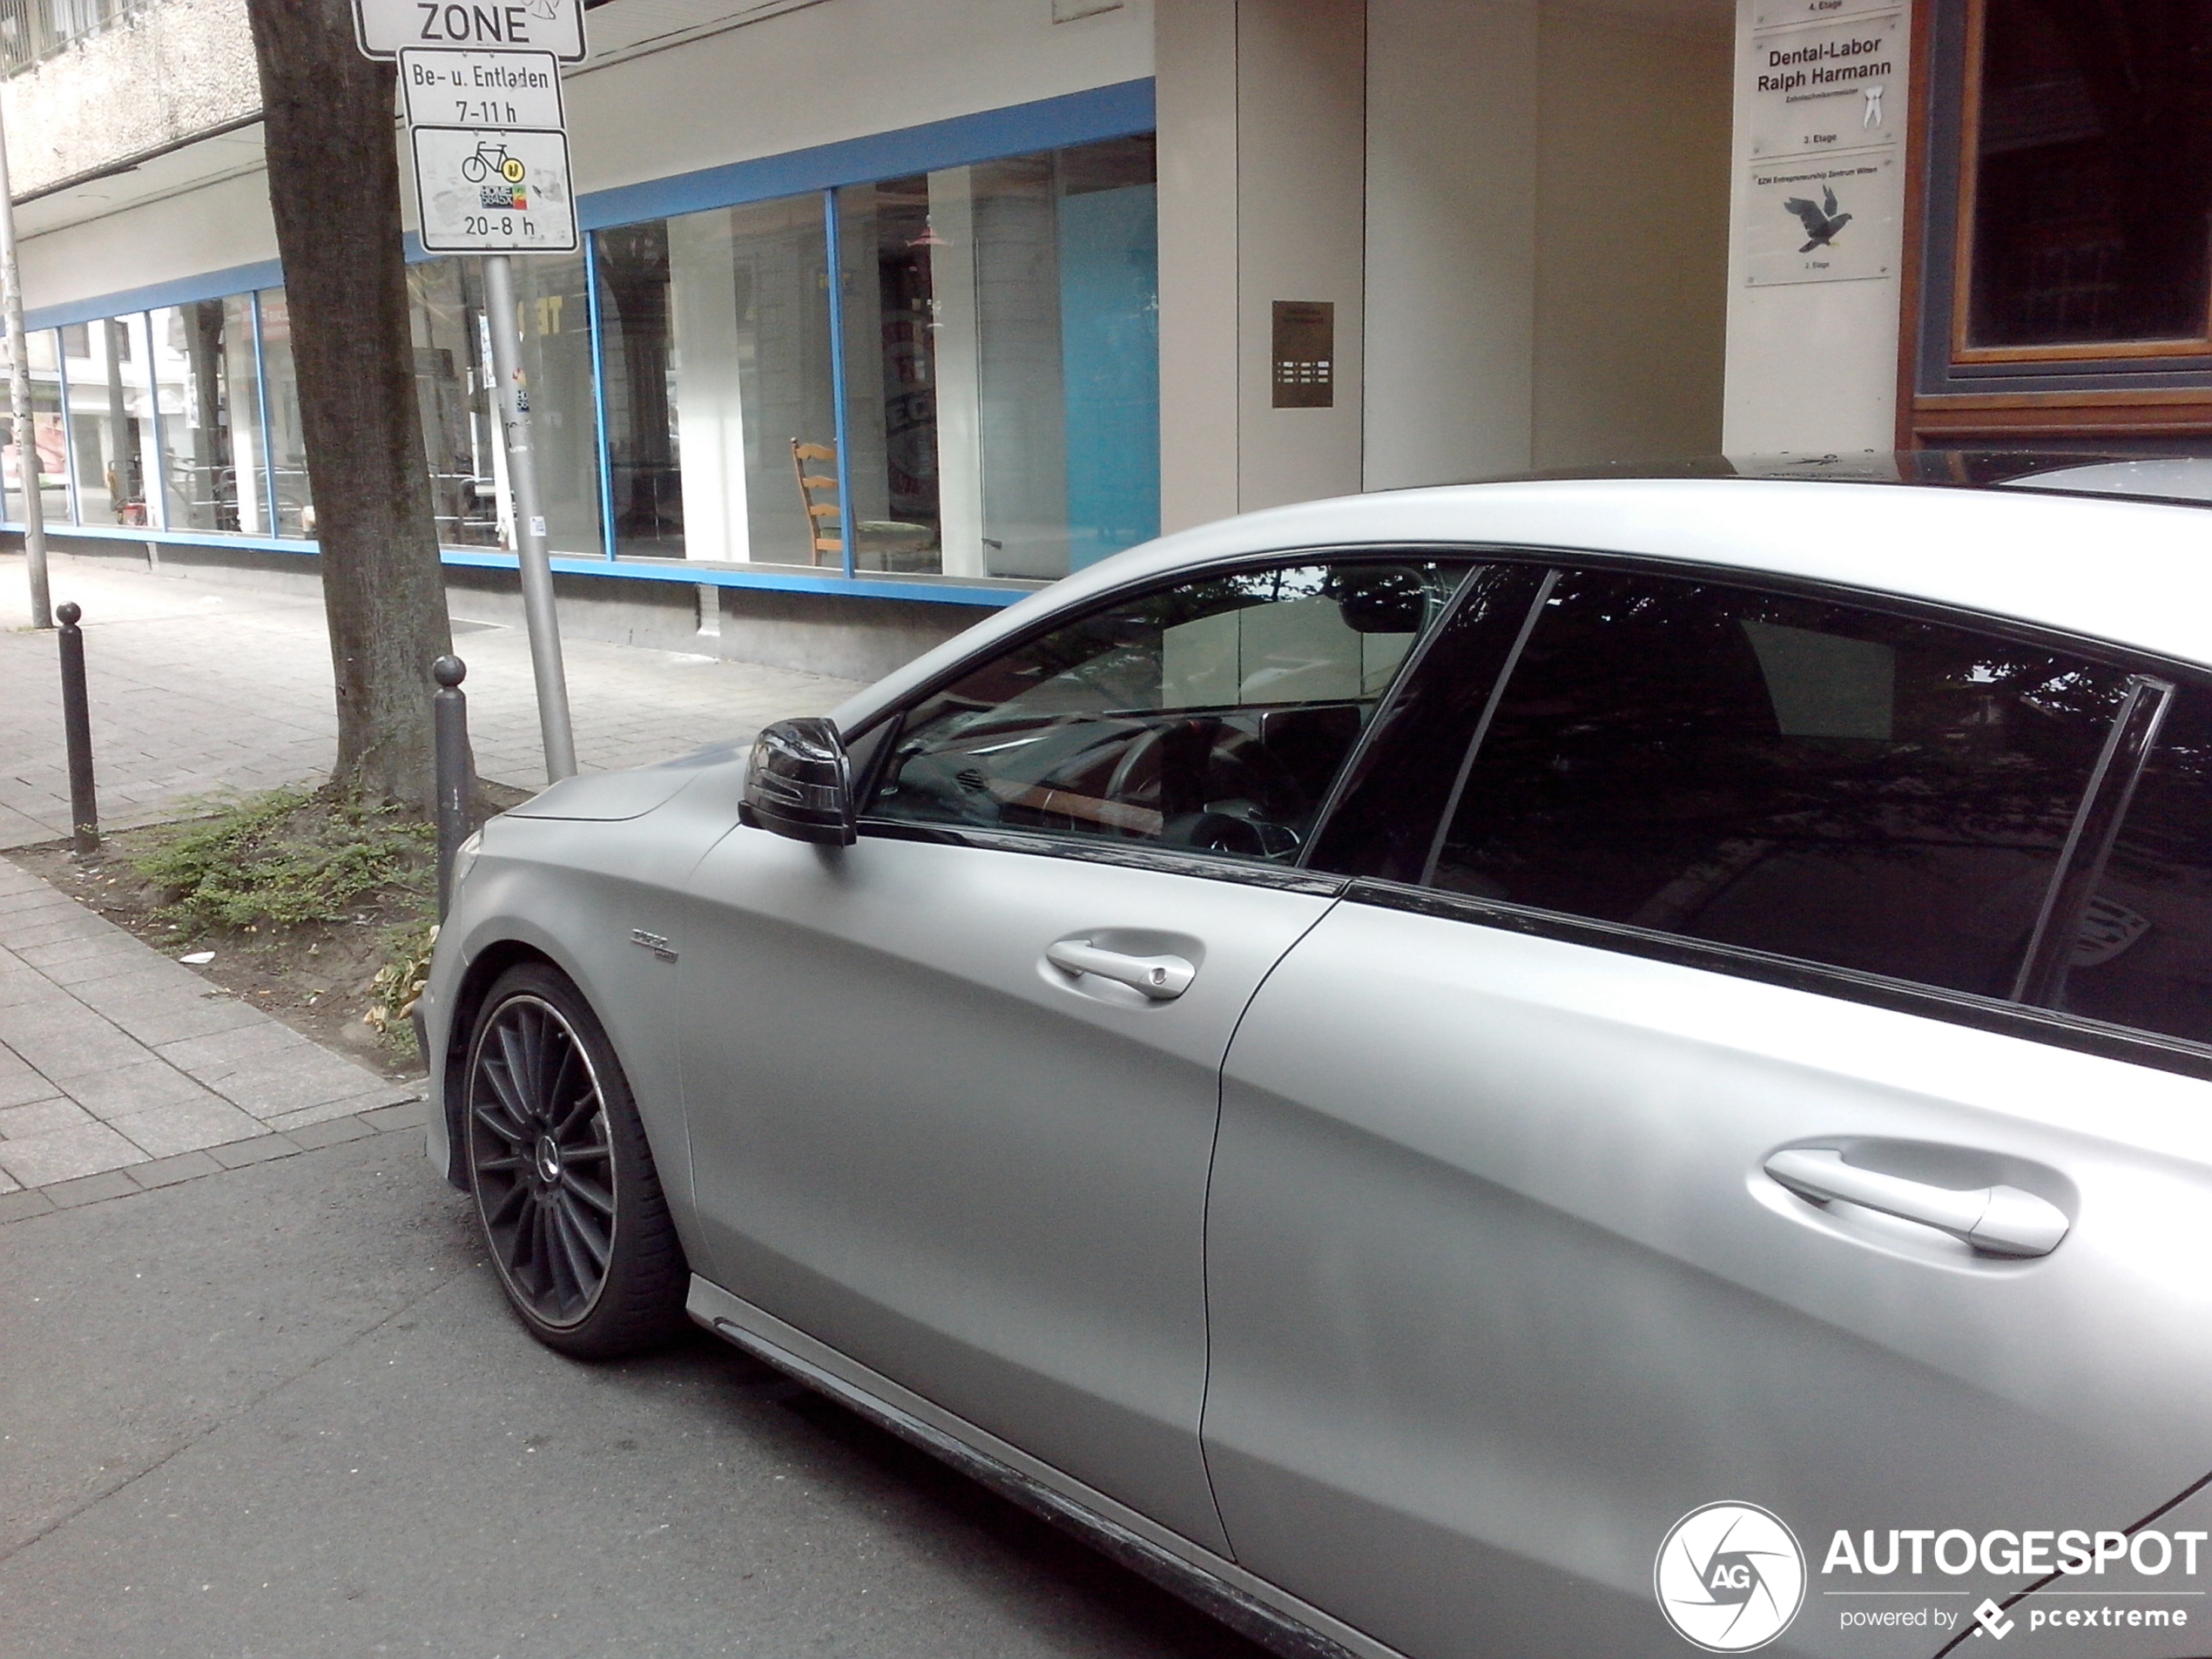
(883, 538)
(818, 490)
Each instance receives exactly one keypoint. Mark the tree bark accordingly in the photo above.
(334, 191)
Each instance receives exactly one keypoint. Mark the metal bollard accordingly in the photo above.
(449, 727)
(77, 733)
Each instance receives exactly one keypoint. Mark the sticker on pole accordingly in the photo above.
(444, 88)
(493, 192)
(382, 28)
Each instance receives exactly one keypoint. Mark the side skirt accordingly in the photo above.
(1247, 1604)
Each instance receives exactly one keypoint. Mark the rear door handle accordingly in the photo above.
(1160, 978)
(2002, 1220)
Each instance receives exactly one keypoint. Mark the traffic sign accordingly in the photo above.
(487, 191)
(383, 28)
(445, 88)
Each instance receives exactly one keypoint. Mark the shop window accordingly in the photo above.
(293, 511)
(2067, 255)
(460, 440)
(197, 475)
(110, 425)
(1002, 362)
(49, 444)
(462, 444)
(639, 370)
(242, 381)
(749, 307)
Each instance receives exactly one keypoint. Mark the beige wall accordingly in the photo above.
(1452, 172)
(1546, 233)
(1195, 88)
(1301, 124)
(1262, 121)
(1632, 237)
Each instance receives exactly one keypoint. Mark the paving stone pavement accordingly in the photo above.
(202, 688)
(113, 1056)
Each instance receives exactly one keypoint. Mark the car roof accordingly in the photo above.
(2136, 573)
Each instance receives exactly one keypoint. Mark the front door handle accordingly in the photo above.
(1159, 977)
(2002, 1220)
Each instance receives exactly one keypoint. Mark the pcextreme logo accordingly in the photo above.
(1730, 1577)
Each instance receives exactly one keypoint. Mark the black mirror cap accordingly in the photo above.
(798, 783)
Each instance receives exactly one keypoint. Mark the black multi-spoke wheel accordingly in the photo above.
(564, 1181)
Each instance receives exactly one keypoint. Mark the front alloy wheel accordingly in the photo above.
(563, 1179)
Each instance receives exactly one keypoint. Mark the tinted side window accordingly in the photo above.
(1812, 779)
(1213, 715)
(1385, 821)
(2143, 954)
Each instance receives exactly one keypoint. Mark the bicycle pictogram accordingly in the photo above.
(488, 158)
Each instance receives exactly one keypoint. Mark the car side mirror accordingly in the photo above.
(799, 784)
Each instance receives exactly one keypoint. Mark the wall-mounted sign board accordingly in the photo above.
(1817, 219)
(1828, 87)
(444, 88)
(1303, 354)
(1781, 14)
(485, 191)
(384, 28)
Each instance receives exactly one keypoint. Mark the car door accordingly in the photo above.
(952, 1089)
(1719, 899)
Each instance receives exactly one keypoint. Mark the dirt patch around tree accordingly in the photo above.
(313, 963)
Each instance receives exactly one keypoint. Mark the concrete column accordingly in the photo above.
(1301, 218)
(1263, 145)
(710, 411)
(957, 345)
(1451, 238)
(1195, 87)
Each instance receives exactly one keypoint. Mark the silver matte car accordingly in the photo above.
(1550, 1069)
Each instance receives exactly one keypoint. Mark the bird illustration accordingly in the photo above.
(1821, 224)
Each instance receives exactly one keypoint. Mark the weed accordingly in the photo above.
(284, 857)
(401, 980)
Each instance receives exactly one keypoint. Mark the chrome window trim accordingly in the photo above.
(1851, 985)
(1129, 855)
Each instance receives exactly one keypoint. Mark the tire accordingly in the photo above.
(567, 1198)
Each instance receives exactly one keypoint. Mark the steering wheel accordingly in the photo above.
(1237, 768)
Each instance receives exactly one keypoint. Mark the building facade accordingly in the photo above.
(889, 310)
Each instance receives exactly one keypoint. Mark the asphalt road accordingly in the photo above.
(281, 1412)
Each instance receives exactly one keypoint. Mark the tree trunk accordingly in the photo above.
(334, 190)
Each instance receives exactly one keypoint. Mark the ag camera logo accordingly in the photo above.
(1730, 1577)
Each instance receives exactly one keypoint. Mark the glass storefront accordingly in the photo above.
(292, 510)
(977, 392)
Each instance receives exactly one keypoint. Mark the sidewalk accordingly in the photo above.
(112, 1056)
(199, 688)
(120, 1070)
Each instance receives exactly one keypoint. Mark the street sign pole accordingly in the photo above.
(26, 434)
(487, 144)
(529, 522)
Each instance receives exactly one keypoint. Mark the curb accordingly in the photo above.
(151, 1176)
